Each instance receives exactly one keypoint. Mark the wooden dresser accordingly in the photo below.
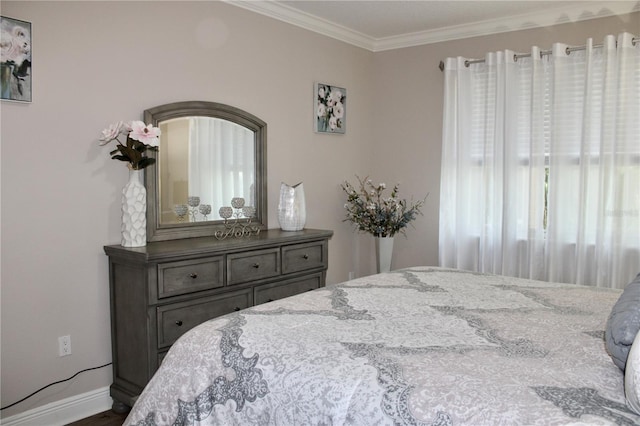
(160, 291)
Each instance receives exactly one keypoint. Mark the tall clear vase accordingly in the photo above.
(292, 212)
(134, 211)
(384, 252)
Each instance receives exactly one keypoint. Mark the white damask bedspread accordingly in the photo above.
(418, 346)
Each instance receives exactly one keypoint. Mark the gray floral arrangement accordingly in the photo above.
(370, 211)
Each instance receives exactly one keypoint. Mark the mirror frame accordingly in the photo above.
(155, 115)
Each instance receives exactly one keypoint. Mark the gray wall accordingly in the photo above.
(99, 62)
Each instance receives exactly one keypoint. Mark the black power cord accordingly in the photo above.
(51, 384)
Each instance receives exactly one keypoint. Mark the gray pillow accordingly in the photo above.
(632, 377)
(623, 324)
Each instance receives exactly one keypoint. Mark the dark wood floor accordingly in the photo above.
(108, 418)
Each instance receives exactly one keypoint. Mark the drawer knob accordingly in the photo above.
(179, 323)
(305, 256)
(256, 265)
(193, 275)
(236, 309)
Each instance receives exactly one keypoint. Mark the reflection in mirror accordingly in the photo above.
(209, 154)
(208, 162)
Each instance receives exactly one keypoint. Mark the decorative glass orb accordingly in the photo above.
(248, 211)
(180, 210)
(193, 201)
(225, 212)
(237, 202)
(205, 209)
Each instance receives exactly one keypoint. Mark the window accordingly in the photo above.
(541, 164)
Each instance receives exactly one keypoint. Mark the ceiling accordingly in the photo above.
(390, 24)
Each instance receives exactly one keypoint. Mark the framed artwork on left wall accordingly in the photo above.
(330, 115)
(15, 60)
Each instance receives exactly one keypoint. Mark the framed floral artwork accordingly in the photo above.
(330, 108)
(15, 60)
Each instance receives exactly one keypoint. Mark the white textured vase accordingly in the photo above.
(292, 212)
(134, 211)
(384, 251)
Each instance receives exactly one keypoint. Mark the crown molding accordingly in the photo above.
(307, 21)
(585, 11)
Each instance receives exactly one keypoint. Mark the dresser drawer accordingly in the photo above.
(253, 265)
(270, 292)
(187, 276)
(177, 318)
(302, 257)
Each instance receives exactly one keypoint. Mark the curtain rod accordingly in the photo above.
(517, 56)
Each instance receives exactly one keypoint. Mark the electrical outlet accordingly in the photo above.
(64, 345)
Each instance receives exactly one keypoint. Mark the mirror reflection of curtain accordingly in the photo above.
(220, 170)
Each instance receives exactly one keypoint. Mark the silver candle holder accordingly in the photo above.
(205, 210)
(193, 210)
(181, 211)
(193, 203)
(237, 220)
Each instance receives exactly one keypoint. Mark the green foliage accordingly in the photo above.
(371, 212)
(134, 153)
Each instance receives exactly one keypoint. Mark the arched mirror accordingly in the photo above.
(211, 156)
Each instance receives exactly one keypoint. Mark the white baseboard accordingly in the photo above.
(65, 411)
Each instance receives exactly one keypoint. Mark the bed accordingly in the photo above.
(416, 346)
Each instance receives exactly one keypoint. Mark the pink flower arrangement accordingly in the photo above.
(140, 138)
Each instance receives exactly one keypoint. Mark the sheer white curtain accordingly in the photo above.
(221, 162)
(541, 164)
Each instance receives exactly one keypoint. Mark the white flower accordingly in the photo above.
(111, 133)
(338, 110)
(322, 110)
(321, 92)
(147, 134)
(14, 45)
(333, 123)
